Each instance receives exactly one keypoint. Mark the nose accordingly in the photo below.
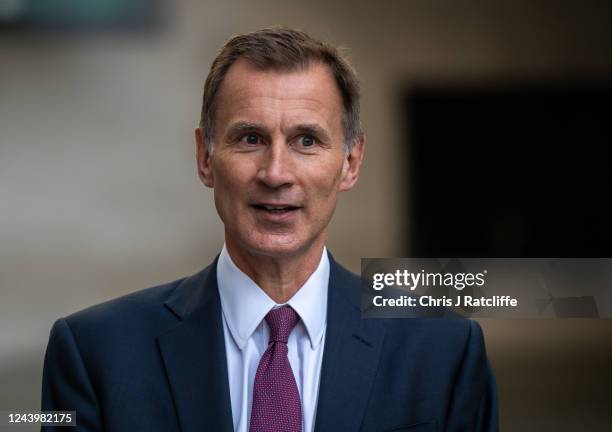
(276, 168)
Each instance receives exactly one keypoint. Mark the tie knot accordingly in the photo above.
(281, 322)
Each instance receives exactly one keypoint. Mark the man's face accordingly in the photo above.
(278, 159)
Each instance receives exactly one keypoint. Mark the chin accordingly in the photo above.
(275, 246)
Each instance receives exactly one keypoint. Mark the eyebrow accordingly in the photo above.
(305, 128)
(242, 127)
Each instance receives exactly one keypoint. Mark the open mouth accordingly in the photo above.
(275, 209)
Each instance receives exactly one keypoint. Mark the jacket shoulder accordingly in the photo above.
(128, 320)
(127, 307)
(351, 283)
(452, 330)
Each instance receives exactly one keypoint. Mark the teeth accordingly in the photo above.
(274, 208)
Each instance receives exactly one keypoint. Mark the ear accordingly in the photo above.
(203, 159)
(352, 164)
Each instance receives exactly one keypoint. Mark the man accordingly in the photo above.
(269, 337)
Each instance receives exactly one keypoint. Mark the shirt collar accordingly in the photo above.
(245, 304)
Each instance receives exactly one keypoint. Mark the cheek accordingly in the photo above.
(326, 184)
(229, 192)
(232, 177)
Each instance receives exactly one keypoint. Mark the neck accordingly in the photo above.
(280, 277)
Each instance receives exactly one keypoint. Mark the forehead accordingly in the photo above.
(252, 92)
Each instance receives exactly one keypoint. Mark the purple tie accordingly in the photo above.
(276, 400)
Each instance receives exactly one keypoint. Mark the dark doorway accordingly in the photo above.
(520, 170)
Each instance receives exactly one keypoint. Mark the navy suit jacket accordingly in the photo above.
(155, 360)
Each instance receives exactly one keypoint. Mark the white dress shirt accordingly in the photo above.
(245, 305)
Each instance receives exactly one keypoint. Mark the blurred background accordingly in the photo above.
(488, 128)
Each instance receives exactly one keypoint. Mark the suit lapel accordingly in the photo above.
(194, 356)
(350, 359)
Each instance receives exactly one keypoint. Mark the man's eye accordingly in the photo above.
(251, 139)
(307, 141)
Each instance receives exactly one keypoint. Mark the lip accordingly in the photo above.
(275, 216)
